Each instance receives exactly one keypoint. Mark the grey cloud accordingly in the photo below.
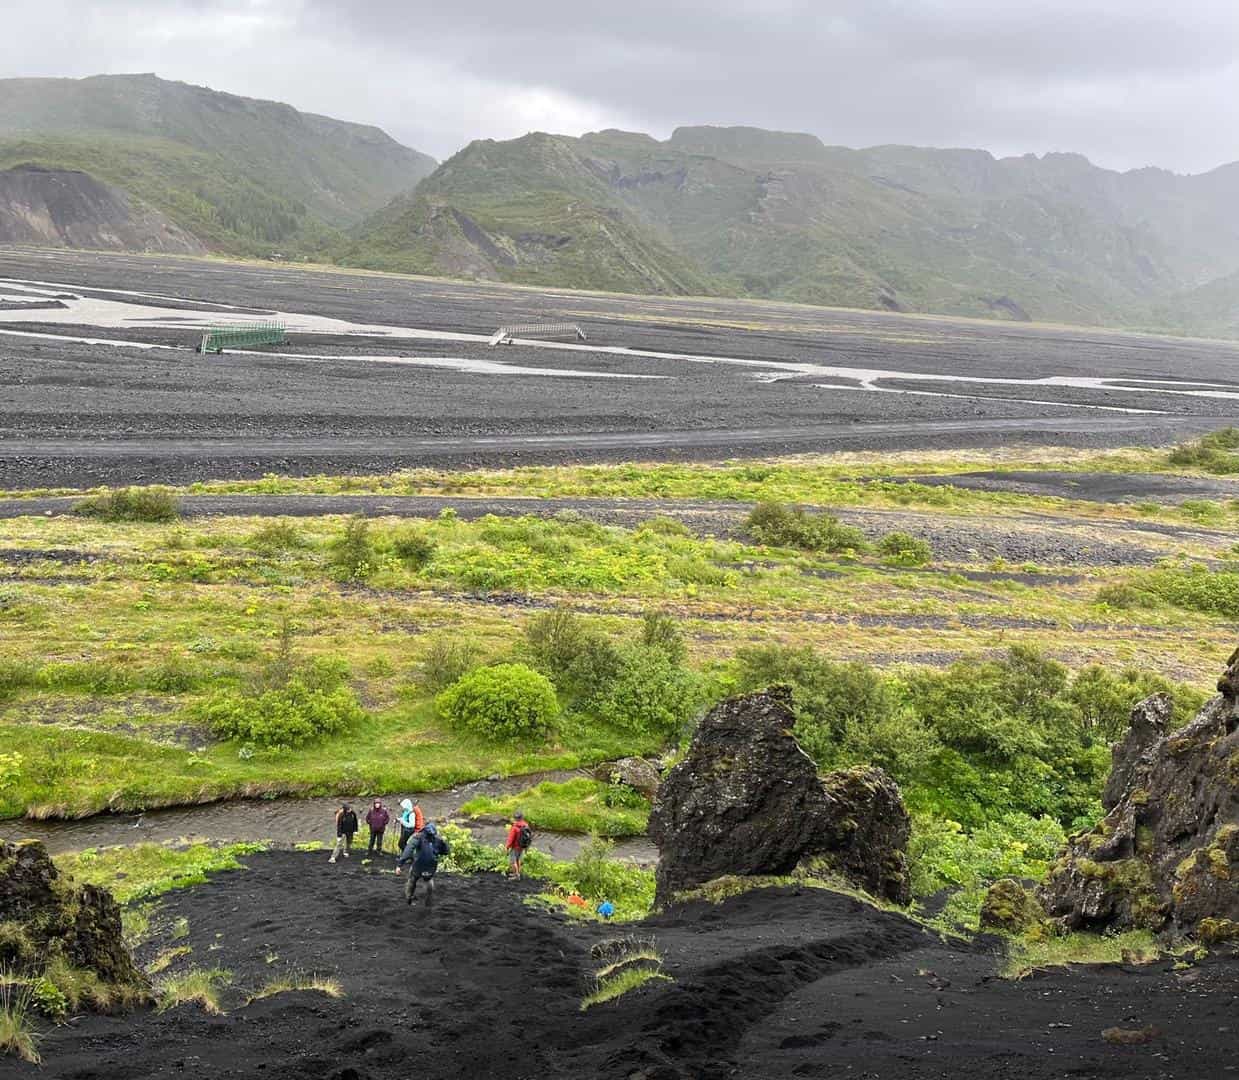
(1127, 82)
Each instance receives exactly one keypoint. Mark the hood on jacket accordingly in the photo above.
(406, 804)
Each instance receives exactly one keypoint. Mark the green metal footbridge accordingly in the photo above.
(215, 339)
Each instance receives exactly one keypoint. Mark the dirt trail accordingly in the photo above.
(779, 983)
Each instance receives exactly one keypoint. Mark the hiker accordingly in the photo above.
(424, 850)
(411, 822)
(346, 829)
(520, 837)
(377, 818)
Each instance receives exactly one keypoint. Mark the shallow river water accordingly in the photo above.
(288, 821)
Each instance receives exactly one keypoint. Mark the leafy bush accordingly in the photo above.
(175, 675)
(904, 549)
(783, 526)
(89, 676)
(131, 504)
(981, 738)
(944, 855)
(445, 660)
(1217, 452)
(276, 536)
(1194, 588)
(652, 695)
(413, 548)
(352, 552)
(507, 701)
(15, 676)
(1126, 596)
(660, 631)
(283, 718)
(579, 658)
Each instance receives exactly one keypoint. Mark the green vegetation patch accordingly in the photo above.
(1217, 452)
(576, 806)
(143, 871)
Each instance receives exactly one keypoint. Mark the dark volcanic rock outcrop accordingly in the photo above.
(747, 800)
(1166, 855)
(45, 916)
(67, 208)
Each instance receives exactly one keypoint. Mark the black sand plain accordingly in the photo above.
(771, 984)
(81, 414)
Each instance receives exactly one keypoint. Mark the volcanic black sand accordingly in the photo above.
(81, 412)
(775, 983)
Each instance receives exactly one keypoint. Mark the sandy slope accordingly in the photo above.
(771, 984)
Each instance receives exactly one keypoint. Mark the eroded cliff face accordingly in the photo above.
(65, 208)
(746, 800)
(1166, 855)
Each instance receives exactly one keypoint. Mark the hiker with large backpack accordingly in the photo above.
(346, 829)
(520, 839)
(424, 850)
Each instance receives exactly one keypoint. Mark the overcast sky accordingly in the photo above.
(1127, 82)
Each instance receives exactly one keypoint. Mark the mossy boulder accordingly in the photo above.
(45, 916)
(747, 800)
(1011, 908)
(633, 772)
(1166, 856)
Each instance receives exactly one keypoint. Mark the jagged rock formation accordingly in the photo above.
(746, 800)
(633, 772)
(43, 916)
(67, 208)
(1166, 855)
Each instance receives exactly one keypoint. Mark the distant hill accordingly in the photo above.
(239, 174)
(59, 207)
(743, 211)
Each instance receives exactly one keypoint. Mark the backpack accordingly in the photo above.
(348, 823)
(525, 837)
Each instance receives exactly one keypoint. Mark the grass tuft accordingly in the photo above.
(18, 1036)
(298, 980)
(200, 986)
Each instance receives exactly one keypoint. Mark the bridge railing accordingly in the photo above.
(215, 339)
(505, 334)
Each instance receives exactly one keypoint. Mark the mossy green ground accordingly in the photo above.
(107, 655)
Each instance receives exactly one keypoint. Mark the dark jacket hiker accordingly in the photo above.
(346, 829)
(424, 850)
(377, 818)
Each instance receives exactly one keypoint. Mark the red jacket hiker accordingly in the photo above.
(514, 835)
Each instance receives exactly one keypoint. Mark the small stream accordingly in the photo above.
(288, 821)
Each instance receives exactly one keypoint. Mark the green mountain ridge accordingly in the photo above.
(742, 211)
(242, 175)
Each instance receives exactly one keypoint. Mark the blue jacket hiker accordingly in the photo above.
(423, 850)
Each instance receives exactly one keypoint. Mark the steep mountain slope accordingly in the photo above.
(241, 174)
(73, 209)
(777, 214)
(532, 210)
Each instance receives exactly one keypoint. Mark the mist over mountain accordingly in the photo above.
(783, 215)
(735, 211)
(242, 175)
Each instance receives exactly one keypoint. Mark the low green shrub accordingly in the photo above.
(904, 549)
(1217, 452)
(652, 695)
(284, 718)
(16, 676)
(578, 657)
(506, 701)
(662, 632)
(174, 675)
(1127, 597)
(153, 504)
(87, 676)
(445, 660)
(414, 549)
(276, 536)
(580, 805)
(784, 526)
(351, 553)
